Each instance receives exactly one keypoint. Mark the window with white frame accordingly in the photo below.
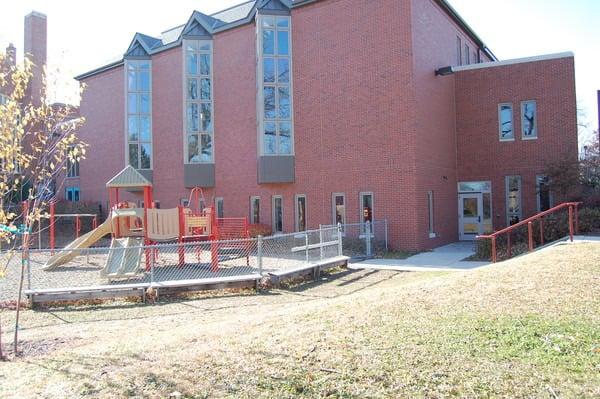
(219, 207)
(467, 54)
(277, 213)
(255, 210)
(430, 214)
(505, 122)
(300, 214)
(72, 194)
(139, 113)
(72, 164)
(199, 101)
(366, 209)
(275, 75)
(338, 201)
(544, 196)
(458, 51)
(529, 120)
(513, 199)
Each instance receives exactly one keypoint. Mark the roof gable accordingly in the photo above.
(199, 26)
(140, 46)
(273, 5)
(128, 178)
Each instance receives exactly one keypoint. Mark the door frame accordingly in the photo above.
(461, 234)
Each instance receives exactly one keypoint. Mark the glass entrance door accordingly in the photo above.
(470, 211)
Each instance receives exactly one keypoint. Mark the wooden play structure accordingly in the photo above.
(133, 229)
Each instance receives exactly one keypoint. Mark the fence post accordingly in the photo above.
(386, 234)
(306, 247)
(321, 241)
(368, 237)
(571, 223)
(530, 235)
(259, 249)
(339, 238)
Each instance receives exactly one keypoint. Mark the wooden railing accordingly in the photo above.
(573, 228)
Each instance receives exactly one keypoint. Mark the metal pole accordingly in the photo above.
(306, 247)
(321, 241)
(259, 249)
(368, 237)
(386, 234)
(339, 239)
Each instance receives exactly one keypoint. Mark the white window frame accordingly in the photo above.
(430, 215)
(273, 227)
(199, 101)
(72, 190)
(297, 213)
(512, 121)
(535, 116)
(506, 188)
(459, 51)
(151, 142)
(538, 197)
(467, 54)
(334, 208)
(252, 200)
(220, 203)
(361, 195)
(260, 87)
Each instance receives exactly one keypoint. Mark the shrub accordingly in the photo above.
(256, 230)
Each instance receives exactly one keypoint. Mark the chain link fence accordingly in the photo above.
(128, 262)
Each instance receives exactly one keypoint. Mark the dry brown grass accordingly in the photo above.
(529, 327)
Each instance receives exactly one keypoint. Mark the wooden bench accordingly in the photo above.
(313, 269)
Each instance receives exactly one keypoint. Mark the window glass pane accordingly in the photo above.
(284, 102)
(205, 89)
(193, 117)
(206, 117)
(144, 128)
(269, 138)
(144, 65)
(192, 89)
(192, 45)
(278, 215)
(145, 155)
(131, 81)
(340, 210)
(133, 155)
(268, 22)
(283, 70)
(283, 23)
(269, 98)
(487, 213)
(76, 194)
(144, 103)
(132, 104)
(144, 81)
(255, 214)
(367, 208)
(206, 148)
(269, 70)
(543, 194)
(268, 42)
(285, 138)
(192, 64)
(282, 42)
(301, 213)
(193, 150)
(204, 64)
(506, 118)
(528, 111)
(205, 46)
(476, 186)
(132, 127)
(470, 207)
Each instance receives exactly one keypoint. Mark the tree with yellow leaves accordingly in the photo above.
(37, 140)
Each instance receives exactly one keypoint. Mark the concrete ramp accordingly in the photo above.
(124, 258)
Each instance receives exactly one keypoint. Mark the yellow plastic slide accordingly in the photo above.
(85, 241)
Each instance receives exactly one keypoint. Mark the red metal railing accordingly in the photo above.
(573, 228)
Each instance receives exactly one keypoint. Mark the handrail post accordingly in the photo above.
(494, 255)
(571, 222)
(530, 235)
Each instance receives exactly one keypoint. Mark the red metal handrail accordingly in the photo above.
(573, 227)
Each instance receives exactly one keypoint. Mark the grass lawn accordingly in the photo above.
(529, 327)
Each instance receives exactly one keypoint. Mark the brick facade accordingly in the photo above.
(369, 116)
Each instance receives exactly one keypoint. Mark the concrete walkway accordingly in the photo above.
(447, 258)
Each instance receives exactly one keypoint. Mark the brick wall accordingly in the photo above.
(482, 156)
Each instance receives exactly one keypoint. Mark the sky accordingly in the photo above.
(81, 38)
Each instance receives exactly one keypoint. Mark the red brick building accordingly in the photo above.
(315, 111)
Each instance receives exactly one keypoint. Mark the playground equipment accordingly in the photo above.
(133, 228)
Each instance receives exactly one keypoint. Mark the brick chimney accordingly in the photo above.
(35, 50)
(11, 53)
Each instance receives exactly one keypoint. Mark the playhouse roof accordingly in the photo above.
(128, 178)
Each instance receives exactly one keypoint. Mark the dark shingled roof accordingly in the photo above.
(241, 14)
